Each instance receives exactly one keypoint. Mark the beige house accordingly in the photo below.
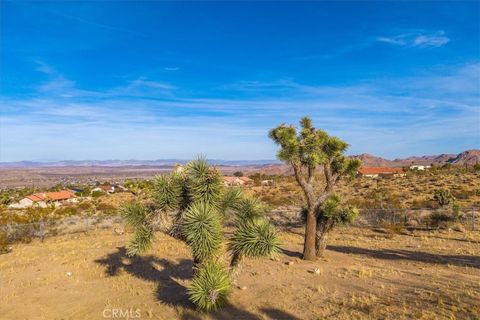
(44, 199)
(237, 181)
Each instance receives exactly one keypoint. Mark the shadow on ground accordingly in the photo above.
(170, 291)
(459, 260)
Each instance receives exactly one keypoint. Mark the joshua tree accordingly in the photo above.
(306, 151)
(331, 213)
(200, 204)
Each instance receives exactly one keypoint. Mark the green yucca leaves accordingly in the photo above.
(254, 237)
(210, 287)
(331, 206)
(134, 213)
(167, 191)
(205, 183)
(137, 216)
(142, 240)
(249, 208)
(347, 215)
(202, 229)
(231, 198)
(199, 201)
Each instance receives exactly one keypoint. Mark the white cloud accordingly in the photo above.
(417, 39)
(388, 117)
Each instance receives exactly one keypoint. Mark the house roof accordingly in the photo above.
(51, 196)
(379, 170)
(106, 188)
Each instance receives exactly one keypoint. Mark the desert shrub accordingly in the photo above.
(65, 211)
(424, 203)
(440, 219)
(4, 244)
(462, 193)
(106, 208)
(393, 228)
(443, 197)
(97, 194)
(85, 205)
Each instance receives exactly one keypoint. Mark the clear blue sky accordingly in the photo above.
(152, 80)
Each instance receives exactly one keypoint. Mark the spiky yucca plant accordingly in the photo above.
(253, 238)
(205, 183)
(202, 230)
(231, 197)
(200, 202)
(137, 215)
(167, 192)
(210, 287)
(249, 208)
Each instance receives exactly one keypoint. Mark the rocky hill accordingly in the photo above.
(469, 157)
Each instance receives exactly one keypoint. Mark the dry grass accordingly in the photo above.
(413, 191)
(364, 275)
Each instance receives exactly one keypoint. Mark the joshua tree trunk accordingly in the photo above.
(321, 242)
(321, 236)
(310, 231)
(235, 268)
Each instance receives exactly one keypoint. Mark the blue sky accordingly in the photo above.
(153, 80)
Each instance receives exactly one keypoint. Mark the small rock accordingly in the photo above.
(242, 287)
(69, 274)
(119, 231)
(315, 271)
(289, 263)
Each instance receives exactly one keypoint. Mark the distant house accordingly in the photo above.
(375, 172)
(107, 189)
(267, 183)
(419, 167)
(44, 199)
(237, 181)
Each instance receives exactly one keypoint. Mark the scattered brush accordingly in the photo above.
(4, 244)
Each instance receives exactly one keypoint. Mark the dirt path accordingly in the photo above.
(364, 275)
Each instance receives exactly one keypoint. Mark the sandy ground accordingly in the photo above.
(364, 275)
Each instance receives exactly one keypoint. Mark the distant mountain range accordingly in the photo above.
(125, 163)
(468, 157)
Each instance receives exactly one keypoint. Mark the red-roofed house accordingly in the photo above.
(237, 181)
(374, 172)
(44, 198)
